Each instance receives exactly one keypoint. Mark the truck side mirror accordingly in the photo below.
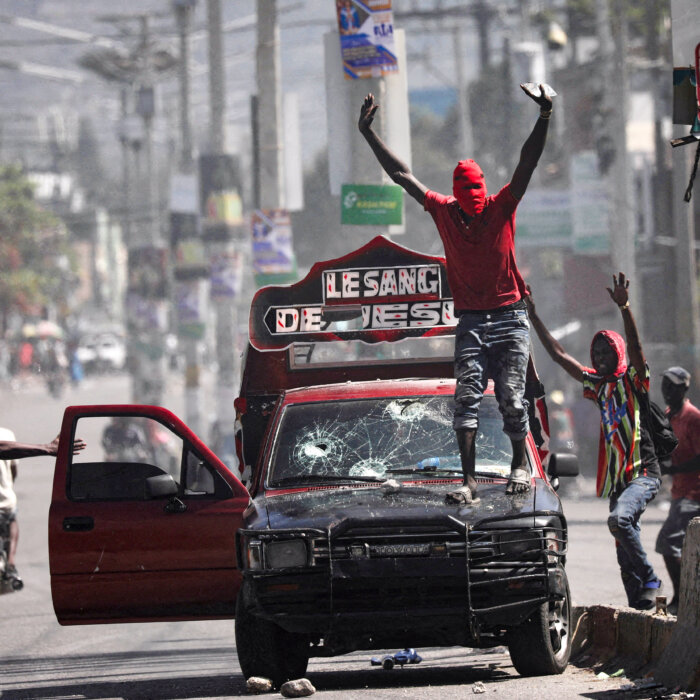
(562, 464)
(161, 486)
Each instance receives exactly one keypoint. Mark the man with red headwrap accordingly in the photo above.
(493, 333)
(628, 468)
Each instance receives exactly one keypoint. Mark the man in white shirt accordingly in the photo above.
(11, 450)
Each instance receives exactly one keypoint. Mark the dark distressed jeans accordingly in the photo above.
(492, 345)
(626, 509)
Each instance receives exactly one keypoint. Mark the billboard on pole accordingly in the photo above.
(366, 38)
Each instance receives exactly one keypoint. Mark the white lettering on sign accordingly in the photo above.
(310, 319)
(427, 314)
(389, 316)
(365, 283)
(351, 284)
(388, 285)
(286, 320)
(329, 287)
(427, 283)
(423, 314)
(407, 281)
(371, 283)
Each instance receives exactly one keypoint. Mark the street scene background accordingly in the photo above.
(151, 182)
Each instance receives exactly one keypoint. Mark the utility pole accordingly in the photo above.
(269, 111)
(463, 104)
(614, 123)
(193, 409)
(687, 309)
(225, 308)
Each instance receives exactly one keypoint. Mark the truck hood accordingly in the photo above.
(332, 508)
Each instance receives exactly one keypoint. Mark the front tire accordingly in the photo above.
(264, 649)
(541, 646)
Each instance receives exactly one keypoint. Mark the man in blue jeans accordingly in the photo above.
(492, 337)
(628, 469)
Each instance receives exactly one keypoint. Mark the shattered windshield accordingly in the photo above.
(376, 439)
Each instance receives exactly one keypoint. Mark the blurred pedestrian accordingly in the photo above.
(628, 468)
(25, 357)
(11, 450)
(685, 470)
(493, 334)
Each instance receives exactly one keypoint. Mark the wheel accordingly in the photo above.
(265, 649)
(541, 645)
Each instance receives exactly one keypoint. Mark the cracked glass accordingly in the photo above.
(405, 438)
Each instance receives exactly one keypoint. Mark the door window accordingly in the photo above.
(122, 454)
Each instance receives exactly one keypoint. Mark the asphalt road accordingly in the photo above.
(40, 659)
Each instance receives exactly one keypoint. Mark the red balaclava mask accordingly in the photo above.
(617, 343)
(466, 175)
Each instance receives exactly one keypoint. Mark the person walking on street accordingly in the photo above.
(11, 450)
(628, 469)
(492, 336)
(685, 471)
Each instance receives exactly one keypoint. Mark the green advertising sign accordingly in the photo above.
(371, 205)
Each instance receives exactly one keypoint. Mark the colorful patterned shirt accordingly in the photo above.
(621, 457)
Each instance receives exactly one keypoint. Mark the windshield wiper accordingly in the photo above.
(320, 478)
(424, 470)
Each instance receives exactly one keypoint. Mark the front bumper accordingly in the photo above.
(445, 580)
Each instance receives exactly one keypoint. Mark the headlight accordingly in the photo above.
(553, 544)
(254, 554)
(520, 542)
(285, 553)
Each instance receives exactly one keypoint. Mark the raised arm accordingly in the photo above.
(395, 168)
(551, 344)
(533, 146)
(620, 295)
(17, 450)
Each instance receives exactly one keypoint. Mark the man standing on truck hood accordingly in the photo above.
(492, 336)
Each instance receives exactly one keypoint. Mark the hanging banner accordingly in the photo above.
(590, 206)
(146, 315)
(148, 277)
(273, 254)
(226, 275)
(220, 201)
(366, 38)
(191, 308)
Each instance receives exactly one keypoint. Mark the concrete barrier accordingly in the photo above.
(668, 646)
(679, 665)
(605, 631)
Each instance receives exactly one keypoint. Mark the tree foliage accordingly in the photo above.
(36, 263)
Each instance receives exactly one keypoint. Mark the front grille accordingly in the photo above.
(363, 544)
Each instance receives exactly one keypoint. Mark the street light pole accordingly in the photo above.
(183, 11)
(222, 251)
(269, 107)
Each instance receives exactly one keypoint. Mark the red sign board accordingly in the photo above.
(382, 292)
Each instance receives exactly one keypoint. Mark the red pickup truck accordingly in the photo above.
(341, 538)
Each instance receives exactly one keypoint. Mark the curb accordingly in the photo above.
(606, 631)
(667, 644)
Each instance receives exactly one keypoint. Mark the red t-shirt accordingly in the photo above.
(686, 426)
(481, 267)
